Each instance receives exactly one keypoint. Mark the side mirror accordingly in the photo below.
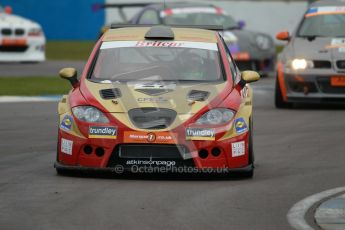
(8, 10)
(250, 76)
(241, 24)
(283, 36)
(70, 74)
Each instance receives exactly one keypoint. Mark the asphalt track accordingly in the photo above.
(46, 69)
(299, 152)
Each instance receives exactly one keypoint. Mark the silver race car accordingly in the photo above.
(311, 67)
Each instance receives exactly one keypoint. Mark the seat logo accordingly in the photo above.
(151, 137)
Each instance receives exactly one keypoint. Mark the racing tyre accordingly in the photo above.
(59, 171)
(62, 172)
(278, 99)
(250, 173)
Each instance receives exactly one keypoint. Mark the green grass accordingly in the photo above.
(69, 50)
(33, 86)
(279, 48)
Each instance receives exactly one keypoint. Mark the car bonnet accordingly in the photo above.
(320, 48)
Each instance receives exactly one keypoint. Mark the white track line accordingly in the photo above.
(12, 99)
(297, 213)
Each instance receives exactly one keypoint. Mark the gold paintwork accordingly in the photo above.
(181, 34)
(245, 111)
(176, 100)
(64, 109)
(250, 76)
(67, 73)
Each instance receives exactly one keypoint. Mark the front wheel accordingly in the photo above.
(278, 99)
(250, 173)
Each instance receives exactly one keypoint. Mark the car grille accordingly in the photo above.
(341, 64)
(152, 118)
(9, 31)
(13, 49)
(6, 31)
(19, 32)
(322, 64)
(299, 87)
(124, 152)
(326, 87)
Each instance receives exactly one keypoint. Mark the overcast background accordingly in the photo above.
(265, 16)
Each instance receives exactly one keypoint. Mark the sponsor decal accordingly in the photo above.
(200, 134)
(230, 37)
(143, 137)
(240, 125)
(151, 162)
(241, 56)
(238, 149)
(158, 44)
(106, 132)
(191, 10)
(152, 100)
(338, 81)
(336, 43)
(164, 44)
(66, 123)
(13, 42)
(66, 146)
(314, 11)
(234, 48)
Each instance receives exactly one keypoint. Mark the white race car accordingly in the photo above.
(21, 40)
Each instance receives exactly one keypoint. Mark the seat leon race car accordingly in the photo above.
(157, 98)
(311, 67)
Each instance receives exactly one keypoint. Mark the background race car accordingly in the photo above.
(21, 40)
(251, 50)
(311, 66)
(158, 97)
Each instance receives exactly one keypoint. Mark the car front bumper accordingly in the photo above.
(109, 153)
(313, 88)
(33, 51)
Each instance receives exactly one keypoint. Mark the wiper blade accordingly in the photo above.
(311, 37)
(232, 28)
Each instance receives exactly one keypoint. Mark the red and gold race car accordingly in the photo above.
(157, 99)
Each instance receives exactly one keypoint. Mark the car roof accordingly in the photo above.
(180, 34)
(328, 3)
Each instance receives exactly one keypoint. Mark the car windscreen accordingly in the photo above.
(158, 61)
(323, 22)
(198, 16)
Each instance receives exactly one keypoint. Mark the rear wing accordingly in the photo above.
(205, 27)
(120, 6)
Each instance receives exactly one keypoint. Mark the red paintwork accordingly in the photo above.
(281, 80)
(230, 97)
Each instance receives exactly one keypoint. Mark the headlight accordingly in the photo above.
(89, 114)
(216, 117)
(263, 42)
(301, 64)
(35, 32)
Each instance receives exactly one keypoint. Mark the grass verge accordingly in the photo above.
(33, 86)
(69, 50)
